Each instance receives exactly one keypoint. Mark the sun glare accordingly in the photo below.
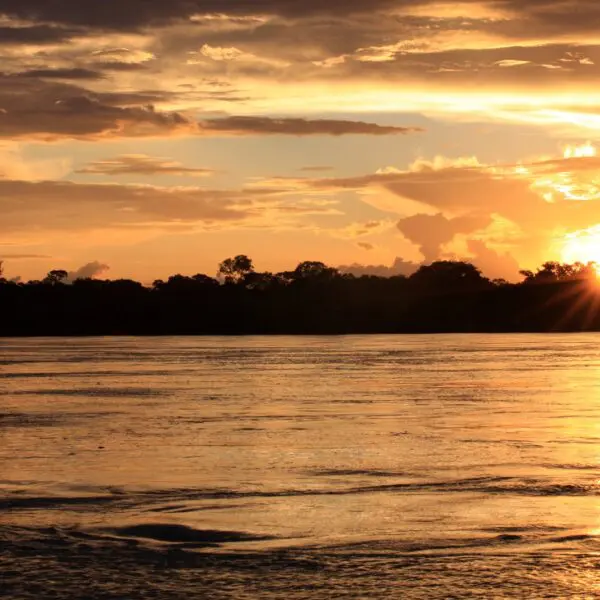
(583, 246)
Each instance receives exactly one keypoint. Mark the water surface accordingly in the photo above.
(452, 466)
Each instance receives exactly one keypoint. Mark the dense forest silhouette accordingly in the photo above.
(445, 296)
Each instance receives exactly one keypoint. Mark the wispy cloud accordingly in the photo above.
(141, 164)
(246, 125)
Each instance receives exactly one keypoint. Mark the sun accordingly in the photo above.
(582, 246)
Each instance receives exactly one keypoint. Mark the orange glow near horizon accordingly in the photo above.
(583, 246)
(165, 140)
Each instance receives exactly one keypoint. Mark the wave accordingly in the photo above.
(140, 561)
(178, 499)
(162, 532)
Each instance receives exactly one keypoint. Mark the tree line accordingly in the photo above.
(444, 296)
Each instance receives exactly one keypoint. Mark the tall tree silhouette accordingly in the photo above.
(56, 276)
(233, 270)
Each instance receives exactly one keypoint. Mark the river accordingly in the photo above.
(450, 466)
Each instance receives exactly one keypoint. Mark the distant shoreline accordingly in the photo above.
(444, 297)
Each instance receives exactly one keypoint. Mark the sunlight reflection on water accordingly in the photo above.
(360, 466)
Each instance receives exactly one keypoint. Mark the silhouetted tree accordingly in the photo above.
(158, 285)
(205, 280)
(449, 275)
(445, 296)
(233, 270)
(500, 282)
(552, 271)
(56, 277)
(260, 281)
(314, 271)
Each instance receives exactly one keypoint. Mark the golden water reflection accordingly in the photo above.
(423, 444)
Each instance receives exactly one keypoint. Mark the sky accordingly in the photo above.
(144, 138)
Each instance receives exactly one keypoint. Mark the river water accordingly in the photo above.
(455, 466)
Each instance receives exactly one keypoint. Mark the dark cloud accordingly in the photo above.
(287, 40)
(45, 108)
(128, 14)
(522, 19)
(75, 73)
(302, 41)
(48, 109)
(110, 14)
(369, 44)
(547, 17)
(120, 14)
(296, 126)
(36, 34)
(141, 164)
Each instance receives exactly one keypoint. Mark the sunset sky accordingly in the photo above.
(161, 136)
